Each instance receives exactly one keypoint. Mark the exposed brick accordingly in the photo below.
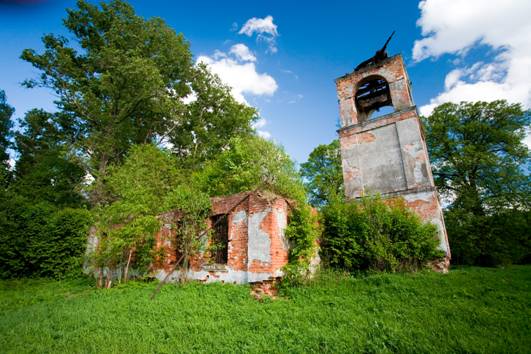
(240, 208)
(387, 155)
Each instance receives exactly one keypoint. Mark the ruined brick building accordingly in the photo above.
(386, 154)
(249, 227)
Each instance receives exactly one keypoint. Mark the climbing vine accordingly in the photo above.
(303, 232)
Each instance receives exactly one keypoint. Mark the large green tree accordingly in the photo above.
(478, 156)
(481, 166)
(252, 163)
(46, 168)
(323, 175)
(209, 121)
(123, 81)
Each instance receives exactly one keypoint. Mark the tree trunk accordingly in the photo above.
(157, 289)
(108, 280)
(98, 194)
(99, 283)
(126, 271)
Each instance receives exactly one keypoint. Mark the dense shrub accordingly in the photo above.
(58, 248)
(12, 244)
(489, 240)
(303, 231)
(41, 240)
(373, 235)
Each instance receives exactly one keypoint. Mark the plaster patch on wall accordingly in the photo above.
(239, 217)
(229, 276)
(259, 245)
(428, 208)
(417, 172)
(282, 223)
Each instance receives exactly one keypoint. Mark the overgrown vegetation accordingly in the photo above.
(122, 84)
(255, 163)
(40, 240)
(469, 310)
(323, 174)
(251, 163)
(140, 129)
(145, 185)
(376, 236)
(122, 80)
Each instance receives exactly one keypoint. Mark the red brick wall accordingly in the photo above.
(239, 208)
(238, 237)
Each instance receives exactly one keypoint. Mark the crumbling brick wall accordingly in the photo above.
(386, 155)
(257, 247)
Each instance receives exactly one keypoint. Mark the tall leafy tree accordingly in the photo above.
(478, 156)
(252, 163)
(41, 234)
(209, 121)
(6, 111)
(46, 169)
(118, 82)
(125, 80)
(323, 174)
(481, 165)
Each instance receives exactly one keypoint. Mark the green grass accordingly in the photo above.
(469, 310)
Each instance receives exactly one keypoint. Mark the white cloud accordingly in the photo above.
(259, 125)
(259, 25)
(242, 52)
(456, 26)
(240, 75)
(264, 134)
(265, 30)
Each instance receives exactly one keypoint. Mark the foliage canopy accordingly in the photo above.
(478, 156)
(373, 235)
(323, 174)
(481, 165)
(124, 81)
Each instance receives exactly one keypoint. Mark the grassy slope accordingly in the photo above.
(468, 310)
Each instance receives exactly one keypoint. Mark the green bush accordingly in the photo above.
(373, 235)
(489, 240)
(41, 240)
(303, 231)
(58, 248)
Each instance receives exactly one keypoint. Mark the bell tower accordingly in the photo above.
(386, 154)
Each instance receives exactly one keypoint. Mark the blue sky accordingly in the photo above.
(294, 56)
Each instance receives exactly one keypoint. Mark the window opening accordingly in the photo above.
(220, 238)
(372, 95)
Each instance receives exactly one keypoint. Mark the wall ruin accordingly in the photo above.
(387, 155)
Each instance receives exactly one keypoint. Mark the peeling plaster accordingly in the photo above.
(259, 241)
(239, 217)
(388, 155)
(282, 223)
(228, 276)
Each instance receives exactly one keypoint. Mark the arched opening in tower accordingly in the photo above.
(373, 98)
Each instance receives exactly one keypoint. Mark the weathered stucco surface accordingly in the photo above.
(259, 240)
(388, 155)
(257, 247)
(392, 70)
